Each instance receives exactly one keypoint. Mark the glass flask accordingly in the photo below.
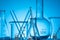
(40, 30)
(42, 25)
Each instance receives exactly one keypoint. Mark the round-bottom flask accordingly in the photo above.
(44, 28)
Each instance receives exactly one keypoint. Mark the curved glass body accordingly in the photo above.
(43, 26)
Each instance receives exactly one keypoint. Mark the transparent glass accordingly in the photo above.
(40, 30)
(18, 32)
(43, 27)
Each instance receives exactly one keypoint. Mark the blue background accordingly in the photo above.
(21, 7)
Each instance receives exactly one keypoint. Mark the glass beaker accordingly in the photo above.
(14, 31)
(18, 32)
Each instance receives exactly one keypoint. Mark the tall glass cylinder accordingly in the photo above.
(3, 27)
